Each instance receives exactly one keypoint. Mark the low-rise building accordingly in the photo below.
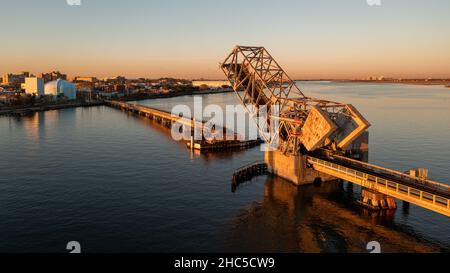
(61, 88)
(210, 84)
(14, 79)
(85, 79)
(118, 80)
(34, 86)
(52, 76)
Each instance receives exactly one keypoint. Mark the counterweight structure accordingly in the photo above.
(301, 122)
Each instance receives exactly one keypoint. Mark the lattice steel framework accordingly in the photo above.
(259, 81)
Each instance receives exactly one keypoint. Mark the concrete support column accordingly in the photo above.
(293, 168)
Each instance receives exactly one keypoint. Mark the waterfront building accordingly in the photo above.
(85, 79)
(120, 88)
(52, 76)
(34, 86)
(211, 84)
(85, 87)
(61, 88)
(6, 98)
(115, 80)
(14, 79)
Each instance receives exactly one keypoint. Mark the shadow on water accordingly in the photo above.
(316, 219)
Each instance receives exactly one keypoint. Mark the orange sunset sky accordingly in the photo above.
(311, 39)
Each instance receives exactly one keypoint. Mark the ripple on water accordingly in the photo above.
(120, 184)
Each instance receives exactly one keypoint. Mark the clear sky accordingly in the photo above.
(188, 38)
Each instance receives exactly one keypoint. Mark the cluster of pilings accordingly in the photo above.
(247, 173)
(374, 200)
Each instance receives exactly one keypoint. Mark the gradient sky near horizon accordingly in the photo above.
(188, 38)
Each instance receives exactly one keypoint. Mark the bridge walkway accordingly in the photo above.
(428, 194)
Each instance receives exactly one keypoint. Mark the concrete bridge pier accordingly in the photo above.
(293, 168)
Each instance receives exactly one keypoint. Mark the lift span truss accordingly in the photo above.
(259, 81)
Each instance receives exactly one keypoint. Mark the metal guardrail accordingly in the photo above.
(374, 182)
(410, 178)
(155, 112)
(190, 122)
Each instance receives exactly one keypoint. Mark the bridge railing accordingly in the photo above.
(400, 175)
(374, 182)
(229, 134)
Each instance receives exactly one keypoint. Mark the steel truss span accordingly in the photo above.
(296, 120)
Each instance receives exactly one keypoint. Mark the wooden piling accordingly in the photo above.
(247, 173)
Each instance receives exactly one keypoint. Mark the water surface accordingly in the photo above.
(118, 183)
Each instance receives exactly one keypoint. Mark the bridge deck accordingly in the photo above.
(425, 193)
(141, 109)
(191, 123)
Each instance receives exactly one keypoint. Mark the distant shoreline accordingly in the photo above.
(26, 110)
(445, 82)
(139, 97)
(21, 111)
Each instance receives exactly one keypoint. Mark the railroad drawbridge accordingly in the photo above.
(314, 139)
